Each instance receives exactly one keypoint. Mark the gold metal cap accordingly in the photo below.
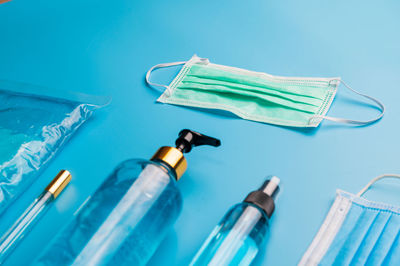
(59, 183)
(173, 157)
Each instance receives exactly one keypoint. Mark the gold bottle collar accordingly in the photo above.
(173, 157)
(57, 185)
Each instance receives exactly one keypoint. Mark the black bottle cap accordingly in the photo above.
(265, 195)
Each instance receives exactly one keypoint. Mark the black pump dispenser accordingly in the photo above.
(173, 157)
(188, 139)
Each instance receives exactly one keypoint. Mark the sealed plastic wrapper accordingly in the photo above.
(34, 123)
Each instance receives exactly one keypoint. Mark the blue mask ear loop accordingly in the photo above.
(168, 89)
(359, 194)
(355, 122)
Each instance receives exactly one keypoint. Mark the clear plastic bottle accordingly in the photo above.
(125, 220)
(238, 237)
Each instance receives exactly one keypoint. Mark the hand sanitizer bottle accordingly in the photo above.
(238, 237)
(124, 221)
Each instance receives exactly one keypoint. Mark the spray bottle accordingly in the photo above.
(239, 235)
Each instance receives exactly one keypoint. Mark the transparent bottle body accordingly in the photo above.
(236, 239)
(123, 222)
(23, 225)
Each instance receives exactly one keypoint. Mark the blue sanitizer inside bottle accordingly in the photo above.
(125, 220)
(237, 238)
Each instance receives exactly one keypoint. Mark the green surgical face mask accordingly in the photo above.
(286, 101)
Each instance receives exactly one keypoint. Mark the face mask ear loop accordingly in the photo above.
(355, 122)
(359, 194)
(168, 89)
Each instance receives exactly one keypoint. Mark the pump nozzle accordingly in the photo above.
(188, 139)
(173, 157)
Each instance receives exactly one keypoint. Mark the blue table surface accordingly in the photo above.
(106, 47)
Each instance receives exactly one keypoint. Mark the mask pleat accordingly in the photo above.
(259, 90)
(371, 237)
(281, 89)
(259, 80)
(264, 99)
(355, 236)
(352, 219)
(385, 241)
(393, 256)
(304, 89)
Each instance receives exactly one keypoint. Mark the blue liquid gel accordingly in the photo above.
(236, 240)
(123, 222)
(246, 249)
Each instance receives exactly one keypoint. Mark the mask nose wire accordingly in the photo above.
(152, 84)
(355, 122)
(362, 191)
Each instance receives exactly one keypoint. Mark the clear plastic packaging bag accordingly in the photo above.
(34, 123)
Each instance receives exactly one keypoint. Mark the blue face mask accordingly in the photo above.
(357, 232)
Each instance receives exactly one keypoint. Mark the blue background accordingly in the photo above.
(106, 47)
